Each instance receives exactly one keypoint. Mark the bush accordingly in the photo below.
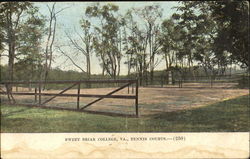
(244, 81)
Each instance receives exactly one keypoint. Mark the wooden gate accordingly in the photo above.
(38, 94)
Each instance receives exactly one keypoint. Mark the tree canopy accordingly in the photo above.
(211, 35)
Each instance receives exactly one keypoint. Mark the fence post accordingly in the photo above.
(136, 99)
(128, 89)
(161, 81)
(211, 82)
(132, 88)
(35, 94)
(78, 95)
(180, 83)
(39, 91)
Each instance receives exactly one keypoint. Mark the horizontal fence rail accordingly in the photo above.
(70, 81)
(208, 81)
(38, 92)
(75, 95)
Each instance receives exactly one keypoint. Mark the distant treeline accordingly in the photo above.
(58, 74)
(199, 39)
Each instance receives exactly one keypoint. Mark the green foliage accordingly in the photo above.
(208, 35)
(3, 73)
(216, 32)
(107, 37)
(29, 64)
(22, 28)
(244, 81)
(171, 42)
(197, 36)
(227, 116)
(233, 35)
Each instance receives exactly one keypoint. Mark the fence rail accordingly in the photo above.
(38, 92)
(70, 81)
(213, 81)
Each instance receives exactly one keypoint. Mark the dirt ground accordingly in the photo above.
(151, 100)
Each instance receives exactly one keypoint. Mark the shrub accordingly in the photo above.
(243, 82)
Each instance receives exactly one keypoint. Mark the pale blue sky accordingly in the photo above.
(69, 19)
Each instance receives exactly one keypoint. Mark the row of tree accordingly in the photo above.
(208, 35)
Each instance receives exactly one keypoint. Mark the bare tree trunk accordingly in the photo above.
(49, 45)
(103, 70)
(141, 73)
(167, 65)
(11, 45)
(11, 61)
(88, 69)
(150, 52)
(145, 75)
(118, 67)
(11, 64)
(152, 70)
(128, 59)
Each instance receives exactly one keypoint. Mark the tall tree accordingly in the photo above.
(107, 40)
(135, 47)
(88, 42)
(29, 52)
(10, 13)
(151, 15)
(233, 34)
(200, 30)
(217, 33)
(51, 34)
(169, 40)
(18, 18)
(83, 45)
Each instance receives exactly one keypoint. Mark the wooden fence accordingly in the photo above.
(38, 93)
(218, 81)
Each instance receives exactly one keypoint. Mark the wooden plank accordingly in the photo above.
(132, 88)
(71, 81)
(111, 96)
(59, 93)
(78, 95)
(106, 95)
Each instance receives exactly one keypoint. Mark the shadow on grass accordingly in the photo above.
(229, 115)
(13, 113)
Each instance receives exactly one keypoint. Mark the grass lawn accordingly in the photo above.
(230, 115)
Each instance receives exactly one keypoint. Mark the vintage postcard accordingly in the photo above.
(134, 79)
